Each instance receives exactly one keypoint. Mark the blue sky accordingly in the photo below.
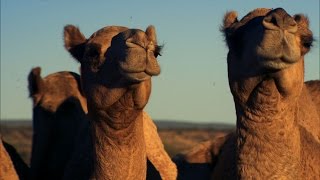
(193, 83)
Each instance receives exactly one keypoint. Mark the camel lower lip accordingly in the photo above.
(136, 77)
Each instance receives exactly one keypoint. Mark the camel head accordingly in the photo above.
(266, 54)
(117, 64)
(55, 89)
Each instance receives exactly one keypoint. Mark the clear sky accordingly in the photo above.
(193, 83)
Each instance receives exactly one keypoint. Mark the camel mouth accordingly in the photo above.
(139, 75)
(278, 49)
(135, 76)
(277, 57)
(275, 63)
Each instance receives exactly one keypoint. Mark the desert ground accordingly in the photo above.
(177, 137)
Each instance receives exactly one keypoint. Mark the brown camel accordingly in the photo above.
(7, 170)
(277, 121)
(62, 144)
(117, 64)
(59, 120)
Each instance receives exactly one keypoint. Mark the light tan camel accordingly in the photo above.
(59, 119)
(7, 170)
(277, 121)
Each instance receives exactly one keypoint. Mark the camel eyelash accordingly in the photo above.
(157, 51)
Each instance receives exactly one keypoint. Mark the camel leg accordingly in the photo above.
(156, 152)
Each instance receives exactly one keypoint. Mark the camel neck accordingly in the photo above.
(267, 142)
(119, 153)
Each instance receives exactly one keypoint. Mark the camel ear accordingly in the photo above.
(230, 18)
(151, 33)
(35, 81)
(74, 41)
(306, 35)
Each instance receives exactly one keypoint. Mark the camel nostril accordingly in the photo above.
(279, 19)
(291, 25)
(292, 22)
(271, 19)
(272, 22)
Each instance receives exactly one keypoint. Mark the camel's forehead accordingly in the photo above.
(136, 35)
(103, 37)
(255, 13)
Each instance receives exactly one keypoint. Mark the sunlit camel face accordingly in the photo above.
(266, 52)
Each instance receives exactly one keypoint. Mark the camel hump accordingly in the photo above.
(35, 81)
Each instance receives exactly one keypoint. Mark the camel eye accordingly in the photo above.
(93, 51)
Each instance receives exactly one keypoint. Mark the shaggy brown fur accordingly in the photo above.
(116, 68)
(276, 137)
(7, 170)
(75, 160)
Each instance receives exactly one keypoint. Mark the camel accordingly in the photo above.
(59, 119)
(207, 153)
(61, 140)
(277, 121)
(7, 170)
(117, 64)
